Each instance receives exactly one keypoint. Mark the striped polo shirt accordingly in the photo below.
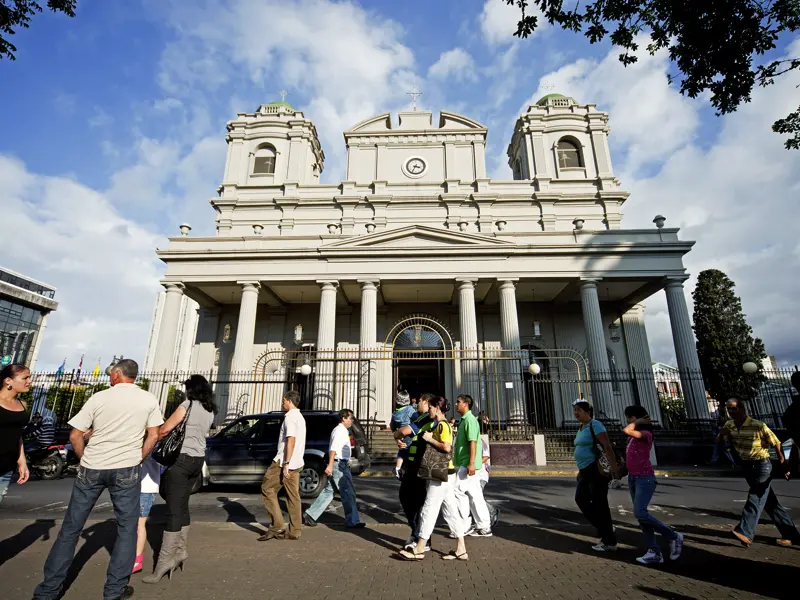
(752, 440)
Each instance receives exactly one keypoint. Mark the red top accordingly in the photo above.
(638, 455)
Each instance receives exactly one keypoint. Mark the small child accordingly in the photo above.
(402, 417)
(151, 479)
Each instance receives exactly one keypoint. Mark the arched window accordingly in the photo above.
(569, 155)
(264, 161)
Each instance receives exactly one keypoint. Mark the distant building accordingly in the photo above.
(770, 367)
(185, 340)
(24, 306)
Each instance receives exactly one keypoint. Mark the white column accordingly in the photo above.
(240, 396)
(368, 342)
(469, 338)
(326, 344)
(694, 392)
(602, 392)
(245, 330)
(640, 361)
(509, 327)
(168, 329)
(38, 343)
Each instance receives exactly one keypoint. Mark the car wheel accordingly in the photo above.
(50, 468)
(312, 479)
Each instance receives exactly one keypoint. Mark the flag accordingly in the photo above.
(96, 372)
(60, 370)
(80, 366)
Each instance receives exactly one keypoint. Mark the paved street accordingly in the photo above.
(540, 550)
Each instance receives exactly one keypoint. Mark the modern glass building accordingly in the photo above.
(24, 306)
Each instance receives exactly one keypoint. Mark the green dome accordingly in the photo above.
(279, 103)
(543, 100)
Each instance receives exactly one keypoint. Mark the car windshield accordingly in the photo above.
(242, 429)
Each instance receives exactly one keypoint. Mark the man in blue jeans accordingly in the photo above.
(339, 476)
(118, 419)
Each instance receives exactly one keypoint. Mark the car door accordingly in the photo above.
(229, 455)
(264, 448)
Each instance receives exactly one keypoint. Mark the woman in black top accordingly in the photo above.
(14, 379)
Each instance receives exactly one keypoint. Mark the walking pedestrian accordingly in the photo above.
(14, 379)
(642, 484)
(483, 476)
(413, 489)
(118, 418)
(339, 476)
(467, 461)
(402, 417)
(180, 478)
(751, 440)
(151, 479)
(591, 496)
(441, 495)
(791, 422)
(285, 472)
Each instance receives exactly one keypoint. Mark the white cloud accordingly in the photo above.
(498, 22)
(456, 64)
(731, 193)
(100, 118)
(103, 265)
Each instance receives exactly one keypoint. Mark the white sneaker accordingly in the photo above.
(651, 558)
(470, 531)
(411, 543)
(601, 547)
(480, 533)
(397, 474)
(676, 547)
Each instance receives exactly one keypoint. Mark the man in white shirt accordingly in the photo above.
(285, 472)
(339, 476)
(118, 419)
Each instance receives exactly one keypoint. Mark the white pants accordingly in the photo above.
(469, 495)
(441, 496)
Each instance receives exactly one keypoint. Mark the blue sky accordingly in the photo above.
(113, 133)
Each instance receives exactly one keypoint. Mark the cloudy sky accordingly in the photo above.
(113, 133)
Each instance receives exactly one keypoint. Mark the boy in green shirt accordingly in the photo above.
(467, 459)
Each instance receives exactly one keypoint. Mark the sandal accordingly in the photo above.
(454, 556)
(406, 555)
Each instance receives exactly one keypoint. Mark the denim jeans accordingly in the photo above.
(342, 480)
(642, 488)
(124, 487)
(592, 498)
(761, 496)
(5, 480)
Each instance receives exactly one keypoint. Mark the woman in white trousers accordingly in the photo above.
(441, 494)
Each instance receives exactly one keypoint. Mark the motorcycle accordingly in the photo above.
(47, 463)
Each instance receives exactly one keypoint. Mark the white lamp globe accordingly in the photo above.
(750, 367)
(305, 370)
(534, 369)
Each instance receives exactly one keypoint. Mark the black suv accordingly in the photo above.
(242, 451)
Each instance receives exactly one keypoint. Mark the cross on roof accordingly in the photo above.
(415, 94)
(283, 94)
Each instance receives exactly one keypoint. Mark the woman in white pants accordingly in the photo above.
(441, 494)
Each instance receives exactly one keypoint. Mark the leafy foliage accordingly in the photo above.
(17, 13)
(724, 339)
(714, 45)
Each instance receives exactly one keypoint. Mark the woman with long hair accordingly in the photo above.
(180, 478)
(642, 483)
(441, 494)
(14, 379)
(591, 496)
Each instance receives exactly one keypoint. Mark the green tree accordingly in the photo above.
(18, 13)
(724, 339)
(718, 46)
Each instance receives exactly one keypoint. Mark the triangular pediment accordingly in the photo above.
(420, 236)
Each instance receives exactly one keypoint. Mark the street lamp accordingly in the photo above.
(534, 368)
(750, 367)
(305, 370)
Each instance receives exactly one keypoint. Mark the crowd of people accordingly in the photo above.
(440, 471)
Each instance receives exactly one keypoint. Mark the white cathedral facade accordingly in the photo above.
(419, 270)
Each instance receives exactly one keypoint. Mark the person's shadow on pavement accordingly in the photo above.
(17, 543)
(97, 536)
(239, 515)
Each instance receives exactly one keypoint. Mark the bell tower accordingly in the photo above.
(274, 145)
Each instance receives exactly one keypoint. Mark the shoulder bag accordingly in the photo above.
(435, 464)
(167, 450)
(603, 465)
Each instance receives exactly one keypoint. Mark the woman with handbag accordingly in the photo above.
(194, 417)
(437, 468)
(592, 493)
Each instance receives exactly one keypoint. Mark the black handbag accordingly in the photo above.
(167, 450)
(603, 465)
(435, 465)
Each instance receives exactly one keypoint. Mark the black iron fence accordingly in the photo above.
(515, 397)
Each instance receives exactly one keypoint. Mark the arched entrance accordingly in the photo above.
(422, 356)
(539, 402)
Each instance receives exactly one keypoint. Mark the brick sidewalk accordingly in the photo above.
(518, 562)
